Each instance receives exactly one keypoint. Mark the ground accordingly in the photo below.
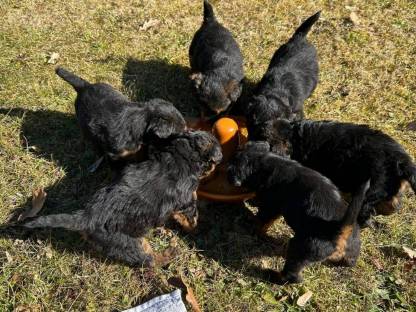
(368, 75)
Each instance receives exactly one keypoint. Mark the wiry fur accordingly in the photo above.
(289, 80)
(116, 126)
(325, 227)
(142, 196)
(348, 154)
(217, 63)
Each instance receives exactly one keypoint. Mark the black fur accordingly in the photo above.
(217, 63)
(142, 196)
(116, 126)
(349, 155)
(325, 227)
(290, 79)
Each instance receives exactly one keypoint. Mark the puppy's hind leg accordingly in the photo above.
(296, 260)
(133, 251)
(187, 216)
(301, 252)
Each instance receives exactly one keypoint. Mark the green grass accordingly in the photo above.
(368, 75)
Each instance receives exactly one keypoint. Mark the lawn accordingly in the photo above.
(368, 75)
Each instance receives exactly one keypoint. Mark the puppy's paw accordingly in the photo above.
(188, 225)
(280, 278)
(166, 257)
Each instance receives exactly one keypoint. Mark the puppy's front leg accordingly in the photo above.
(265, 219)
(187, 216)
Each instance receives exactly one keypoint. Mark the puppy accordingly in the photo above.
(325, 227)
(217, 64)
(143, 196)
(349, 155)
(289, 80)
(115, 126)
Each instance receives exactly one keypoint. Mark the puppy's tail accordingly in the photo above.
(209, 14)
(355, 206)
(307, 25)
(76, 221)
(77, 82)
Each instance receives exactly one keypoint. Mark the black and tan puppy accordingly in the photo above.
(216, 63)
(290, 79)
(116, 126)
(349, 155)
(143, 196)
(325, 226)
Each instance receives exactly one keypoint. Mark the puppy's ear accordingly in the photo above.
(160, 127)
(233, 89)
(197, 79)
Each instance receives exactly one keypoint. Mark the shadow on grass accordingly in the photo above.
(226, 234)
(148, 79)
(145, 80)
(55, 137)
(225, 231)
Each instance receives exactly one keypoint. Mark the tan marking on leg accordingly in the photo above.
(164, 258)
(184, 222)
(146, 246)
(341, 244)
(390, 206)
(404, 186)
(208, 172)
(159, 259)
(127, 153)
(387, 208)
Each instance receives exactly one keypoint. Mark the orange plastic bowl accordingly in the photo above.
(231, 132)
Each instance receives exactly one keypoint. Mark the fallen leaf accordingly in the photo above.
(409, 252)
(9, 257)
(303, 300)
(53, 58)
(149, 24)
(188, 292)
(354, 18)
(38, 199)
(411, 126)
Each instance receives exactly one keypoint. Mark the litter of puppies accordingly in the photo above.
(298, 168)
